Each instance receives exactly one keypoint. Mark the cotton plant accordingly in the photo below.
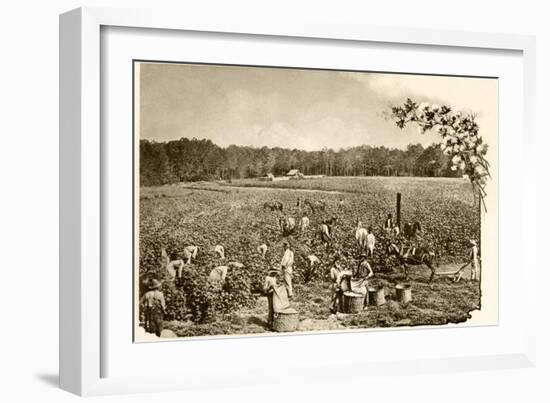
(460, 134)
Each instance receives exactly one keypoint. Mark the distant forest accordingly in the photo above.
(195, 160)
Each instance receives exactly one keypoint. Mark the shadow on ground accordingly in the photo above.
(49, 379)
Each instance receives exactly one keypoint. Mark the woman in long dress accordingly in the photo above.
(277, 297)
(338, 285)
(360, 276)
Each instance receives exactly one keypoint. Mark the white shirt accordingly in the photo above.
(190, 251)
(220, 251)
(174, 266)
(288, 259)
(262, 249)
(313, 259)
(371, 239)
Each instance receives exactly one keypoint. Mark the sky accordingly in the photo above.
(295, 108)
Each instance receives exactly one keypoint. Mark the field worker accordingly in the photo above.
(190, 253)
(286, 268)
(360, 276)
(277, 297)
(262, 250)
(218, 274)
(172, 262)
(304, 222)
(287, 225)
(175, 265)
(474, 261)
(396, 231)
(412, 234)
(388, 224)
(337, 274)
(154, 307)
(325, 231)
(371, 240)
(220, 251)
(312, 265)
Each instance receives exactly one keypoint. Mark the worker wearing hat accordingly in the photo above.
(337, 287)
(473, 262)
(277, 297)
(359, 278)
(154, 306)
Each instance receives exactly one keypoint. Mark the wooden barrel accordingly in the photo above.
(353, 302)
(286, 321)
(377, 296)
(403, 293)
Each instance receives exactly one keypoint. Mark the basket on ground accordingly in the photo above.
(286, 321)
(377, 296)
(353, 302)
(403, 293)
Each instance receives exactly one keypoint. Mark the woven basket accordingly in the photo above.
(377, 296)
(286, 321)
(353, 302)
(403, 293)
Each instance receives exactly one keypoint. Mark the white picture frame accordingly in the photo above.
(82, 170)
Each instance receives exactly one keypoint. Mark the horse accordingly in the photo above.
(419, 257)
(315, 205)
(275, 205)
(288, 225)
(361, 235)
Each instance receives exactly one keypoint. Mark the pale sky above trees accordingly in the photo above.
(291, 108)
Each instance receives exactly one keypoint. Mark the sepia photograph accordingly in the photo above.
(277, 200)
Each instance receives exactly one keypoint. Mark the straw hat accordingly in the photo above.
(473, 242)
(154, 284)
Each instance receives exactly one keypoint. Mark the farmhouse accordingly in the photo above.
(272, 178)
(294, 173)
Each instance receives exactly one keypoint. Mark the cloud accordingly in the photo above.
(292, 108)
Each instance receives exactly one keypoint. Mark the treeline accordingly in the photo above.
(194, 160)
